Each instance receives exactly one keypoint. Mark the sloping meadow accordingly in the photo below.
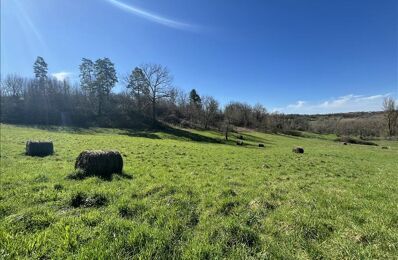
(194, 198)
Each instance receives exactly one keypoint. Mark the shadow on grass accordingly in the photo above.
(145, 132)
(155, 132)
(80, 175)
(256, 139)
(189, 135)
(66, 129)
(176, 133)
(290, 136)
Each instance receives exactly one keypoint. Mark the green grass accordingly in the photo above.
(183, 195)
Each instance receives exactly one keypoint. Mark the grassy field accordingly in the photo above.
(184, 195)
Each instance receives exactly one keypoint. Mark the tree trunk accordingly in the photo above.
(153, 111)
(100, 106)
(226, 132)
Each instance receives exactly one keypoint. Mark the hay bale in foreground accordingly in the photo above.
(298, 150)
(102, 163)
(39, 148)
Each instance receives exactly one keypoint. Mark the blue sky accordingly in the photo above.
(294, 56)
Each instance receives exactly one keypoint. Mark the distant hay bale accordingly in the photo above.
(39, 148)
(298, 150)
(239, 142)
(101, 163)
(261, 145)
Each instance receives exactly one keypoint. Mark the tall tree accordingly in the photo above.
(391, 114)
(87, 76)
(259, 114)
(40, 69)
(229, 113)
(105, 80)
(210, 110)
(194, 107)
(98, 79)
(138, 87)
(159, 83)
(194, 98)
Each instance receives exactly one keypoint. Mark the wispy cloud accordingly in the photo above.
(62, 75)
(348, 103)
(153, 17)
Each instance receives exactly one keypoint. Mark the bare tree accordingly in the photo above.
(210, 110)
(391, 114)
(259, 114)
(229, 114)
(12, 86)
(158, 82)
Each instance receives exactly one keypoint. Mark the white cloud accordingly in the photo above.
(62, 75)
(153, 17)
(348, 103)
(297, 105)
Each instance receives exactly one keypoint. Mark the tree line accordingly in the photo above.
(149, 99)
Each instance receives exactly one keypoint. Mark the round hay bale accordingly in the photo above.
(261, 145)
(101, 163)
(298, 150)
(39, 148)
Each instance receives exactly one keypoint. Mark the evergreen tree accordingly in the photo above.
(194, 98)
(138, 86)
(87, 77)
(40, 69)
(98, 79)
